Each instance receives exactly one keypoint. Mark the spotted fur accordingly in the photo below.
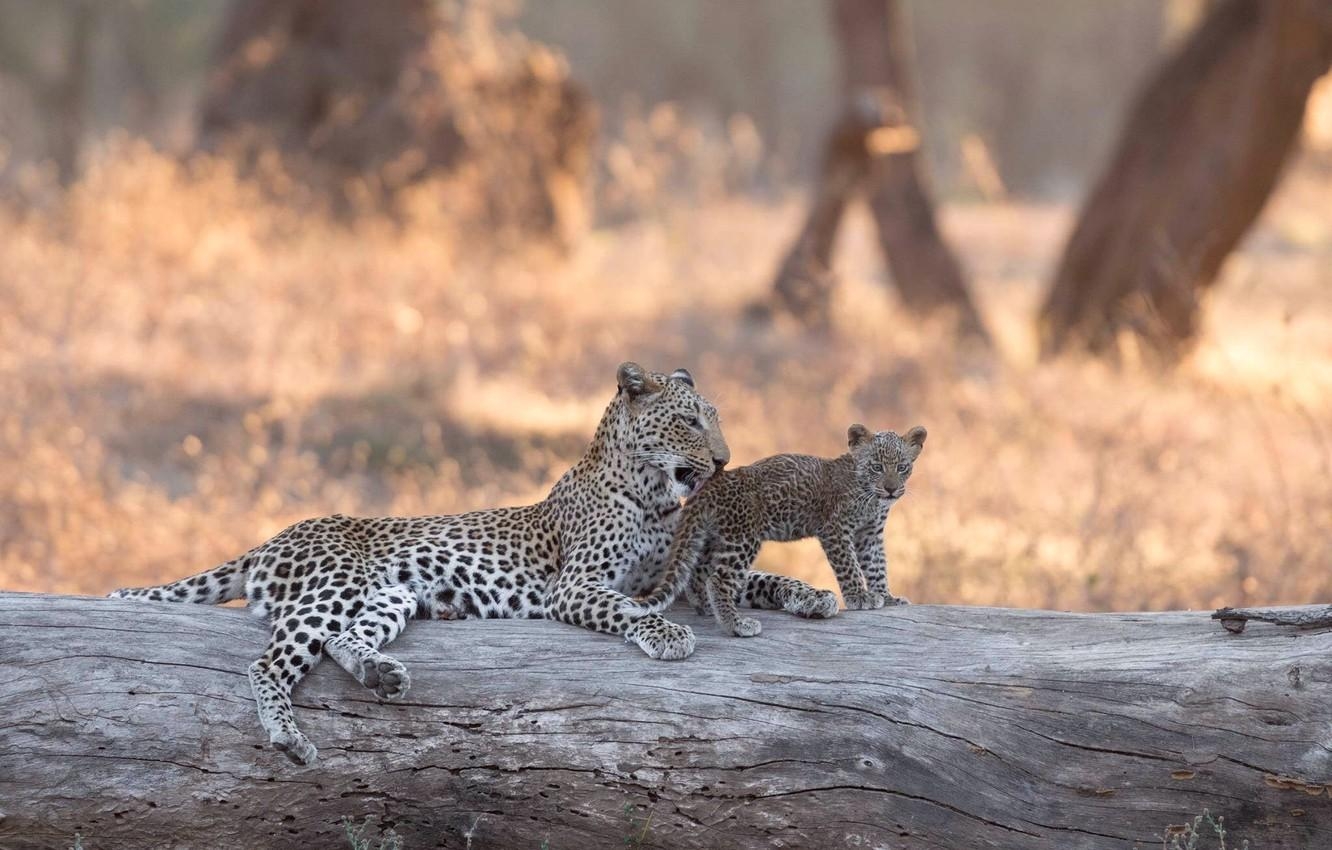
(344, 587)
(844, 502)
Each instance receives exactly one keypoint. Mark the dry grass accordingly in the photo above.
(188, 367)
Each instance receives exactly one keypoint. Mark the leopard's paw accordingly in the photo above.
(386, 676)
(896, 600)
(660, 638)
(746, 627)
(295, 746)
(816, 604)
(862, 600)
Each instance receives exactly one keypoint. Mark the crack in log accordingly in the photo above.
(892, 793)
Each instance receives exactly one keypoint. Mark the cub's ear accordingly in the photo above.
(916, 437)
(857, 434)
(634, 380)
(683, 375)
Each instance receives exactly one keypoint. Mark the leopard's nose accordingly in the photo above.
(719, 464)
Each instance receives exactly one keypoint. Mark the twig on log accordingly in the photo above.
(1303, 616)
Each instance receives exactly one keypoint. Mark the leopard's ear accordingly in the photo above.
(634, 379)
(857, 434)
(683, 375)
(916, 437)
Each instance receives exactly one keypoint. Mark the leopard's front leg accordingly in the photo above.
(766, 590)
(874, 563)
(839, 548)
(578, 596)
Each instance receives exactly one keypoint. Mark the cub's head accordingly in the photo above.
(884, 460)
(672, 427)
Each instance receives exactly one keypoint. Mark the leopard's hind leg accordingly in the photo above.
(730, 568)
(300, 633)
(356, 648)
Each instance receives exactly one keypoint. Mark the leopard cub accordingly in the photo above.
(842, 501)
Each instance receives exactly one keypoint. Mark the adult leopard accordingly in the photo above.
(345, 586)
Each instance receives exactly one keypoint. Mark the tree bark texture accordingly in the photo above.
(1200, 153)
(874, 149)
(916, 727)
(366, 100)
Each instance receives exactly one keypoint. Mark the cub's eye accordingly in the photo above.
(902, 468)
(876, 468)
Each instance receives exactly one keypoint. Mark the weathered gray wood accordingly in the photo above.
(916, 727)
(1303, 616)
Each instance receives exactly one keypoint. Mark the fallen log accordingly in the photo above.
(133, 725)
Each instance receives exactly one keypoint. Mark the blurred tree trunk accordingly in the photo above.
(70, 93)
(1201, 151)
(874, 148)
(61, 92)
(365, 100)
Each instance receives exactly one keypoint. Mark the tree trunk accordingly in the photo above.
(70, 95)
(1200, 153)
(366, 100)
(874, 148)
(916, 727)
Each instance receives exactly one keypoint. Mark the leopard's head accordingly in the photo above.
(884, 460)
(671, 427)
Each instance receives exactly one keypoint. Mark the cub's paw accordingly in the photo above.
(863, 600)
(387, 677)
(295, 746)
(817, 604)
(660, 638)
(746, 627)
(896, 600)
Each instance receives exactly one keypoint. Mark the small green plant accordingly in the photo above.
(357, 839)
(1195, 832)
(638, 829)
(78, 842)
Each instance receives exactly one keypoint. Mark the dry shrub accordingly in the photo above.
(416, 104)
(188, 366)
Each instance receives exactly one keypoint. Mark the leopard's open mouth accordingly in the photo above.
(689, 477)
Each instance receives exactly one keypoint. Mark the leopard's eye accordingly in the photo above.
(876, 468)
(903, 467)
(692, 422)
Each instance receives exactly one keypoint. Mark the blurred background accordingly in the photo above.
(269, 259)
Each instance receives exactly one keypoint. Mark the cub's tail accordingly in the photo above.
(220, 584)
(690, 539)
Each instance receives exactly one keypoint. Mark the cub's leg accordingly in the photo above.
(874, 563)
(356, 648)
(730, 571)
(839, 548)
(295, 648)
(765, 590)
(697, 589)
(579, 599)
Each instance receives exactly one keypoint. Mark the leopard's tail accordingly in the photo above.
(222, 583)
(690, 540)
